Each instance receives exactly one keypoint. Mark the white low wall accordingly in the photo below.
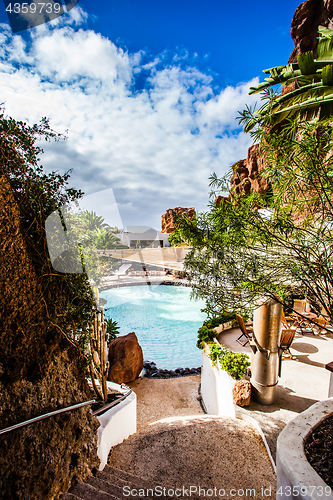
(223, 327)
(216, 393)
(296, 479)
(117, 424)
(216, 388)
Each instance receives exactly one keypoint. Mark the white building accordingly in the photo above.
(143, 237)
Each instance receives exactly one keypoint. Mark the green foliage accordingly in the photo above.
(206, 332)
(235, 363)
(217, 352)
(205, 335)
(92, 234)
(241, 254)
(313, 80)
(176, 239)
(219, 320)
(92, 222)
(180, 237)
(66, 300)
(106, 240)
(112, 328)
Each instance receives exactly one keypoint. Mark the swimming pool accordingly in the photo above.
(164, 319)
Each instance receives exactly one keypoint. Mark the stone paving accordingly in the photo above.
(303, 382)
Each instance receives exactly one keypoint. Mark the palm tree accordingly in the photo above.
(91, 221)
(112, 328)
(106, 240)
(312, 83)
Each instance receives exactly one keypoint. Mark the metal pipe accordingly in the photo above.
(265, 352)
(46, 415)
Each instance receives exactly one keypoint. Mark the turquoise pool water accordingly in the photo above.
(164, 318)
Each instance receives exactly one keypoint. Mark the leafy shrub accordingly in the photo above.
(205, 334)
(235, 363)
(219, 320)
(217, 352)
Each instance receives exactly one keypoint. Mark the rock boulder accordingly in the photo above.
(126, 359)
(168, 220)
(242, 393)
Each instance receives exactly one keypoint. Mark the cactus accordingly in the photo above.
(99, 367)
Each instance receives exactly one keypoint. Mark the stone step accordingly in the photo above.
(106, 484)
(85, 491)
(124, 476)
(117, 482)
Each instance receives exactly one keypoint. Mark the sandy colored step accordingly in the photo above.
(109, 481)
(86, 491)
(107, 485)
(125, 477)
(203, 451)
(122, 479)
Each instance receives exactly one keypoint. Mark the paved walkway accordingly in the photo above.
(161, 398)
(303, 382)
(177, 445)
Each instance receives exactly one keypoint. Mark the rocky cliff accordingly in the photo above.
(247, 172)
(168, 220)
(304, 31)
(304, 25)
(39, 373)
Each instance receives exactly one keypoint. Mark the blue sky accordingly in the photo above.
(232, 40)
(148, 91)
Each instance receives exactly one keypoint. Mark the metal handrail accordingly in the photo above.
(110, 405)
(46, 415)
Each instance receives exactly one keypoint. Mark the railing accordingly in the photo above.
(69, 408)
(46, 415)
(110, 405)
(63, 410)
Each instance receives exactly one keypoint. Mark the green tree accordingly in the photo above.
(91, 222)
(254, 246)
(112, 328)
(106, 240)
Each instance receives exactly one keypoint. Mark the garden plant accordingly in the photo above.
(234, 363)
(66, 301)
(276, 244)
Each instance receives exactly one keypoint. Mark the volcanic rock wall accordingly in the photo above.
(304, 31)
(39, 373)
(304, 26)
(247, 172)
(168, 221)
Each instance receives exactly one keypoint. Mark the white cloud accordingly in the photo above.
(156, 147)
